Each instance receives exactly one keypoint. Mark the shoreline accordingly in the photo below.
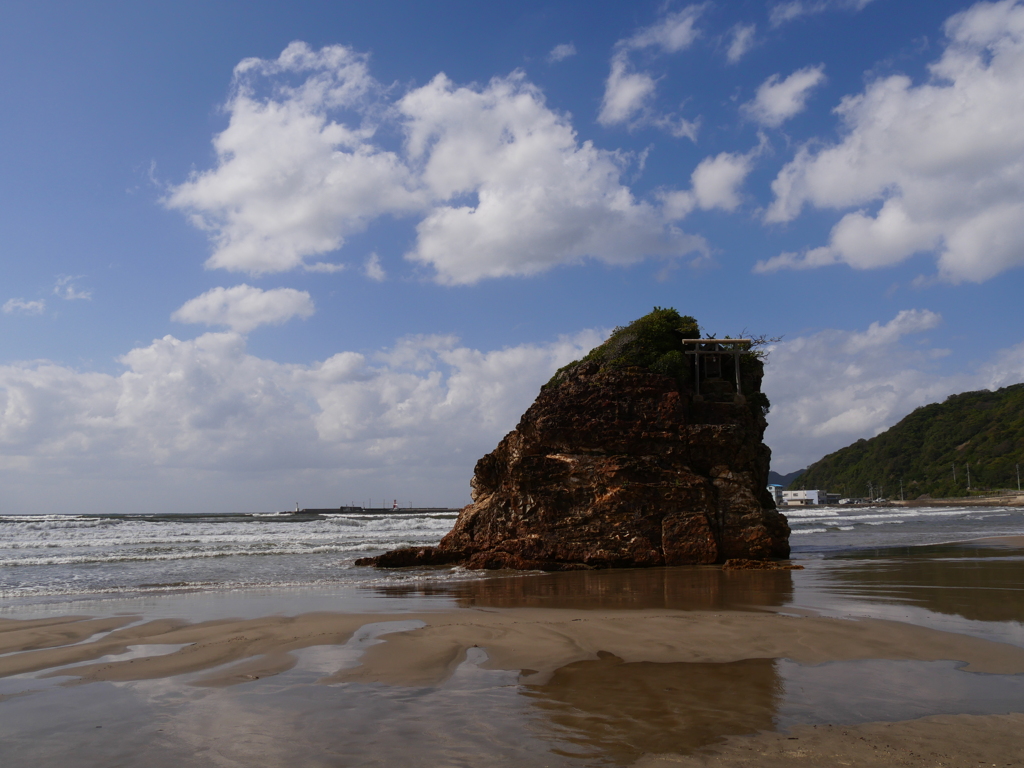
(687, 666)
(561, 654)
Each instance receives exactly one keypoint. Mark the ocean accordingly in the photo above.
(60, 558)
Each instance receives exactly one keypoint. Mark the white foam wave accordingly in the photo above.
(193, 554)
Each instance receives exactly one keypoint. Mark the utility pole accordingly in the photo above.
(1018, 477)
(968, 475)
(901, 489)
(871, 491)
(954, 472)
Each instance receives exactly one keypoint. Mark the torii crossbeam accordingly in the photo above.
(704, 347)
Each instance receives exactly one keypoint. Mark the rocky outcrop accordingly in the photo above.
(619, 463)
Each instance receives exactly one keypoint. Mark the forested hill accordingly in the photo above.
(982, 429)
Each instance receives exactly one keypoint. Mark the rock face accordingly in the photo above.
(618, 463)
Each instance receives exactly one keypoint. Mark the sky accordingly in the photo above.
(262, 253)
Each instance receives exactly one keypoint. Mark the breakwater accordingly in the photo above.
(374, 511)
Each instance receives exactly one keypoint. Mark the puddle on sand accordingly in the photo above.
(975, 583)
(684, 588)
(601, 712)
(617, 711)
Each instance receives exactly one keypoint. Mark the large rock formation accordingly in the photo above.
(620, 463)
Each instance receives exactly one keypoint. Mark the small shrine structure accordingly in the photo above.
(711, 364)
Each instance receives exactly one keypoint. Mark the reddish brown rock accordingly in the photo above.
(618, 465)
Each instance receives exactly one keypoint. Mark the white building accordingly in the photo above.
(803, 498)
(776, 492)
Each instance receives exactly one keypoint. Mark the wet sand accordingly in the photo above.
(534, 642)
(685, 666)
(956, 741)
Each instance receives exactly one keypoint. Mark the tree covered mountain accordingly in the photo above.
(774, 478)
(980, 433)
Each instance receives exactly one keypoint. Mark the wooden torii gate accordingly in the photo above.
(713, 350)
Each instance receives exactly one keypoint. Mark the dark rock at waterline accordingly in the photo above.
(619, 463)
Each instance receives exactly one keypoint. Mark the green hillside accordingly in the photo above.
(984, 430)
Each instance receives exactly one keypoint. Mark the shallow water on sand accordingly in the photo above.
(61, 558)
(602, 711)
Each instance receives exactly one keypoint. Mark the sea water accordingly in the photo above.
(45, 558)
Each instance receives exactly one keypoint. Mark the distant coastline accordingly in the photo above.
(372, 511)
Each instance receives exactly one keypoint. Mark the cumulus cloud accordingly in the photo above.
(23, 307)
(936, 167)
(715, 183)
(778, 100)
(65, 288)
(628, 92)
(291, 182)
(561, 52)
(834, 387)
(742, 40)
(716, 180)
(536, 196)
(243, 307)
(498, 182)
(428, 407)
(794, 9)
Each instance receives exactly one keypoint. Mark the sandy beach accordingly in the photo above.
(854, 661)
(536, 642)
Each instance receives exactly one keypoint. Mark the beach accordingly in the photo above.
(903, 655)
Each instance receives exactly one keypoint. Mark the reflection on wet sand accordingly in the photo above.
(974, 582)
(680, 588)
(616, 710)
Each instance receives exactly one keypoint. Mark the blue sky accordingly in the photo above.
(258, 252)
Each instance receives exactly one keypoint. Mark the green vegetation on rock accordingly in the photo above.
(982, 429)
(652, 342)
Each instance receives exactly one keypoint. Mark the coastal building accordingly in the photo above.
(803, 498)
(776, 491)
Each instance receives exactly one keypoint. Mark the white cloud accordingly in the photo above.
(717, 180)
(561, 52)
(834, 387)
(65, 288)
(741, 42)
(878, 335)
(525, 195)
(243, 307)
(679, 127)
(943, 161)
(778, 100)
(22, 307)
(374, 270)
(425, 410)
(323, 266)
(714, 183)
(290, 182)
(671, 33)
(794, 9)
(628, 93)
(498, 181)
